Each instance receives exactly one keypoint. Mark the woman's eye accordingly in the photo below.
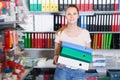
(71, 13)
(74, 13)
(68, 14)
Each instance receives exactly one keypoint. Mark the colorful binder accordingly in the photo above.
(39, 5)
(75, 54)
(75, 63)
(77, 47)
(31, 7)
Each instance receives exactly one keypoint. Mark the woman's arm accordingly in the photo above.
(88, 45)
(56, 52)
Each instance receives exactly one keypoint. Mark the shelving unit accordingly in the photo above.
(107, 54)
(8, 29)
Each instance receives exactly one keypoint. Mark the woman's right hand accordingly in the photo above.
(55, 60)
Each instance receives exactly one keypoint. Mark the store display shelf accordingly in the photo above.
(39, 49)
(106, 51)
(80, 12)
(109, 50)
(40, 12)
(104, 32)
(11, 22)
(39, 31)
(45, 63)
(106, 12)
(44, 66)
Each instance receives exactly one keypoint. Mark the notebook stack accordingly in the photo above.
(75, 55)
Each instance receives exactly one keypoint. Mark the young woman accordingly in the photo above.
(74, 34)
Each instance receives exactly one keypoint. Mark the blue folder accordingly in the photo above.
(77, 47)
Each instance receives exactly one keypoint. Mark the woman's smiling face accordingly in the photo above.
(72, 15)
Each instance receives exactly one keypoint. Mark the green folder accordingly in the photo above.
(35, 5)
(31, 6)
(104, 78)
(107, 40)
(25, 40)
(28, 40)
(39, 5)
(75, 54)
(110, 39)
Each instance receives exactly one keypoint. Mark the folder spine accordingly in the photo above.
(108, 5)
(104, 5)
(100, 5)
(112, 5)
(96, 5)
(116, 5)
(77, 47)
(90, 5)
(119, 4)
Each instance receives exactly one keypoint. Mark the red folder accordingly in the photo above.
(32, 37)
(63, 21)
(82, 5)
(116, 23)
(99, 41)
(33, 40)
(90, 5)
(46, 40)
(40, 40)
(7, 39)
(38, 43)
(116, 5)
(78, 4)
(37, 40)
(113, 23)
(86, 5)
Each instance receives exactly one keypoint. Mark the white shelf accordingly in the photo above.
(45, 64)
(40, 12)
(106, 51)
(39, 31)
(116, 50)
(39, 49)
(104, 32)
(55, 31)
(11, 22)
(80, 12)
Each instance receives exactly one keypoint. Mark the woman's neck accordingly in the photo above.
(72, 26)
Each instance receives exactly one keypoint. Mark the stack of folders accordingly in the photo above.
(75, 55)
